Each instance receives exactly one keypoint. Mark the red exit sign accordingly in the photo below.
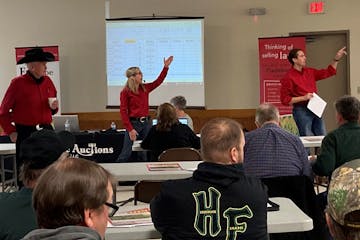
(316, 7)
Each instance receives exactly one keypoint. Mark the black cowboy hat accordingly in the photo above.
(36, 55)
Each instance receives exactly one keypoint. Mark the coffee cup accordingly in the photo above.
(51, 100)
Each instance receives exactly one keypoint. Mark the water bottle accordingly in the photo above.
(67, 125)
(113, 126)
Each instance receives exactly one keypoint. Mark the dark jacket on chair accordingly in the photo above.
(300, 190)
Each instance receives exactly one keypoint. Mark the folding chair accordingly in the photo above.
(180, 154)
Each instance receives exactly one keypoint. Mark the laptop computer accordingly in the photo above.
(59, 122)
(181, 120)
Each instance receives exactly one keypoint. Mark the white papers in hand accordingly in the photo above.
(317, 105)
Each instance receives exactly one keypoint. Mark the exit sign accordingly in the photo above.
(316, 7)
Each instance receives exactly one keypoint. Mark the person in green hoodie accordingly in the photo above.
(73, 200)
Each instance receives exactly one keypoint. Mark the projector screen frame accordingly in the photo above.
(145, 18)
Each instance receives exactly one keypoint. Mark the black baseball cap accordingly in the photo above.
(44, 147)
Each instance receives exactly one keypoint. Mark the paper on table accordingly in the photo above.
(133, 218)
(164, 166)
(317, 105)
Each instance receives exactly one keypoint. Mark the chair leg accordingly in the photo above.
(320, 181)
(316, 183)
(122, 203)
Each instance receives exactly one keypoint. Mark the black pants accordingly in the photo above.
(24, 132)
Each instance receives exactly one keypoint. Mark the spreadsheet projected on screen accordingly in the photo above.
(145, 43)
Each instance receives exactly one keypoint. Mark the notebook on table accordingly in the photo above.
(164, 167)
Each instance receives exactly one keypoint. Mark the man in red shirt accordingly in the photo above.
(26, 107)
(298, 86)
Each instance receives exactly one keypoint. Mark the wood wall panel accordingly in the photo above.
(102, 120)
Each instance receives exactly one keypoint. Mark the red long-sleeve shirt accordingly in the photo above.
(137, 105)
(298, 83)
(28, 102)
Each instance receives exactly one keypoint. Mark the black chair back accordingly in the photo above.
(145, 190)
(300, 190)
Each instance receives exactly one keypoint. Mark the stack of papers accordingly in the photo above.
(138, 217)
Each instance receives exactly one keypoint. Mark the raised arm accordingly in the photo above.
(168, 61)
(160, 79)
(338, 56)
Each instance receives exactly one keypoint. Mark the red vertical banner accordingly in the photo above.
(273, 65)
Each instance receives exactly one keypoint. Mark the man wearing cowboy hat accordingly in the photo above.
(26, 106)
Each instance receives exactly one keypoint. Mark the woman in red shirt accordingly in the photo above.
(134, 107)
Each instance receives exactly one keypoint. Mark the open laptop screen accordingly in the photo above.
(59, 122)
(181, 120)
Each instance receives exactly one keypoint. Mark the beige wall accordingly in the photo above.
(77, 27)
(231, 53)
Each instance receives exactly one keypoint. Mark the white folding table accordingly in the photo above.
(289, 218)
(8, 153)
(138, 171)
(312, 141)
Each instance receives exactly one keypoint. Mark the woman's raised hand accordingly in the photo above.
(168, 61)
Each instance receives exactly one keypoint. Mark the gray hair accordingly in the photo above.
(348, 107)
(179, 102)
(266, 112)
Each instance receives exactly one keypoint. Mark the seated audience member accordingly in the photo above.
(179, 103)
(169, 133)
(218, 201)
(343, 210)
(271, 151)
(72, 200)
(342, 144)
(37, 152)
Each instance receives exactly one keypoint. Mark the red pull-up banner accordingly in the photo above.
(273, 65)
